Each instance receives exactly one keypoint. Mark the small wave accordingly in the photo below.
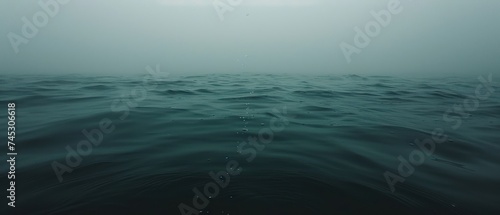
(253, 98)
(97, 87)
(443, 94)
(204, 91)
(178, 92)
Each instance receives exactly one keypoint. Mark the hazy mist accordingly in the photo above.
(449, 37)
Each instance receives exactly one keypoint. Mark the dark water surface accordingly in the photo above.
(340, 135)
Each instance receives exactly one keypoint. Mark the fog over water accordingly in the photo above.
(187, 37)
(245, 107)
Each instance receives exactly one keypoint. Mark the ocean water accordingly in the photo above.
(325, 144)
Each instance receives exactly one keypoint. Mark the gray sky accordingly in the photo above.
(260, 36)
